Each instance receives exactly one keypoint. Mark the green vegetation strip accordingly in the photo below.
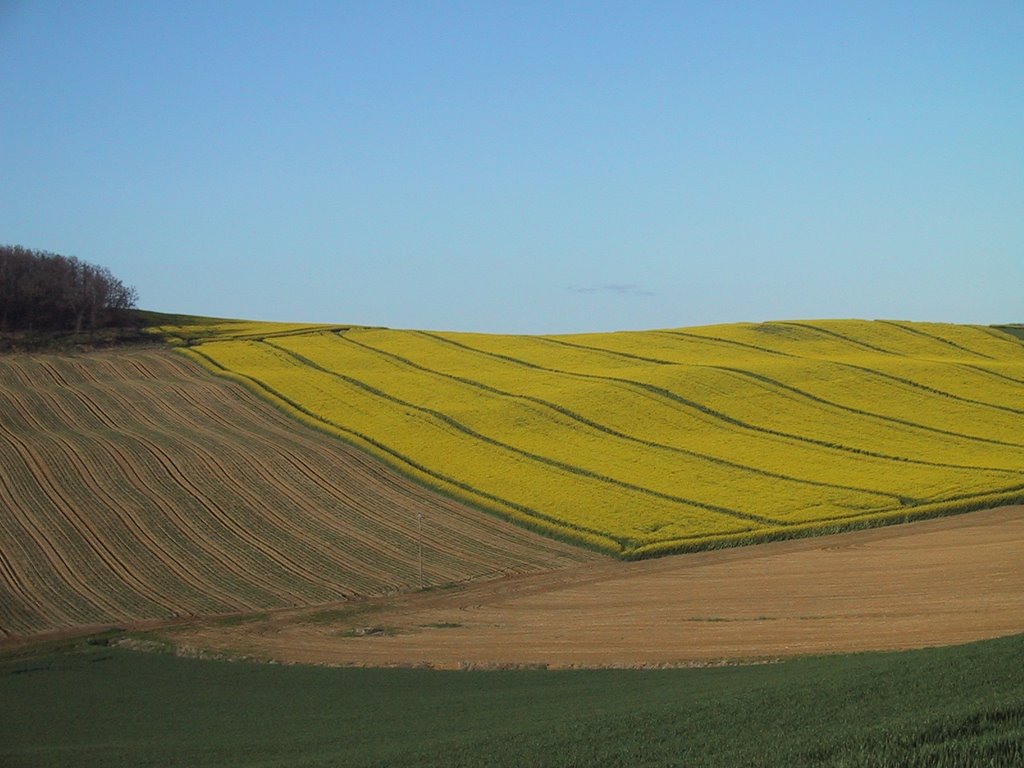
(1014, 330)
(100, 706)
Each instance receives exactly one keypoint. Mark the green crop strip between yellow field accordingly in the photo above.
(641, 443)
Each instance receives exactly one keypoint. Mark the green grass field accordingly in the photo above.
(100, 706)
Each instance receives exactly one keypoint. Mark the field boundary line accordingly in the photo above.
(436, 481)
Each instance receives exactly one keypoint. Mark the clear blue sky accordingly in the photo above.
(524, 167)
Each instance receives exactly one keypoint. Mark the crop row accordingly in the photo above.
(137, 486)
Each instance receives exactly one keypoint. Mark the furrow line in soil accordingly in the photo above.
(78, 574)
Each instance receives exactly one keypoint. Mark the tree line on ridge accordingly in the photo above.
(43, 291)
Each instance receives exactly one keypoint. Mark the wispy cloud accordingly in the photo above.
(620, 289)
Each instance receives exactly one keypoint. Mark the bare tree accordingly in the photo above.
(46, 291)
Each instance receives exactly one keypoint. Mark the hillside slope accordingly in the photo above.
(137, 486)
(642, 443)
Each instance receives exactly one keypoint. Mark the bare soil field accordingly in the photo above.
(139, 490)
(937, 582)
(134, 485)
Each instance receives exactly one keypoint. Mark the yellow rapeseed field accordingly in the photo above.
(639, 443)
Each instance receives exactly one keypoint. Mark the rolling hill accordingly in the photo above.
(139, 487)
(645, 443)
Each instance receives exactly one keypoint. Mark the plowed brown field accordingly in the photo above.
(944, 581)
(135, 485)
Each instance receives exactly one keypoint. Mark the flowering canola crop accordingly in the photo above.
(640, 443)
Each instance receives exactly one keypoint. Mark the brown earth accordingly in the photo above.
(936, 582)
(135, 485)
(137, 489)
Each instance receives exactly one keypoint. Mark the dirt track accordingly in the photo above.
(937, 582)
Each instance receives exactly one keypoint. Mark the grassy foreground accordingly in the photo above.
(104, 706)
